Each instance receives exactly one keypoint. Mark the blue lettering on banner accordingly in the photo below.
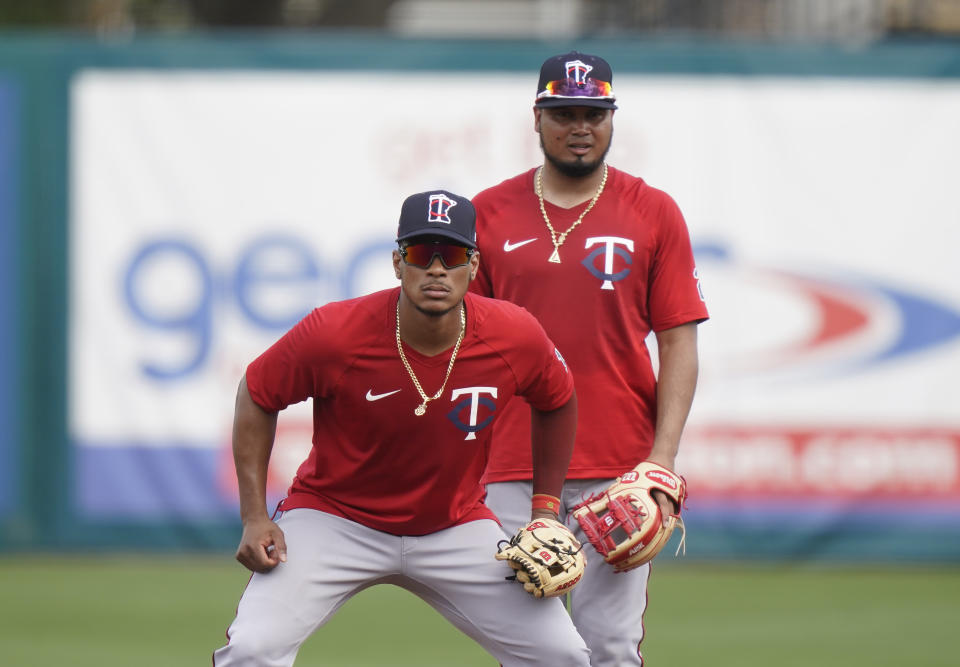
(299, 267)
(9, 427)
(195, 321)
(267, 267)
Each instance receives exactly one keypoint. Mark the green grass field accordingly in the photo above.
(172, 611)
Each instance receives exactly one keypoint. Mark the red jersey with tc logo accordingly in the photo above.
(627, 269)
(373, 460)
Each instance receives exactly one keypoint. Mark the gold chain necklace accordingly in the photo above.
(558, 240)
(422, 408)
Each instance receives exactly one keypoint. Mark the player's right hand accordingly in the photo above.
(262, 546)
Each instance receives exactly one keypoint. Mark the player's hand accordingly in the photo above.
(666, 505)
(667, 508)
(262, 546)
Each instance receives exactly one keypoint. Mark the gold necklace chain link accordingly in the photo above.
(558, 240)
(422, 408)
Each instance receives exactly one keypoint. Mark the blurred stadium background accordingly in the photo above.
(180, 180)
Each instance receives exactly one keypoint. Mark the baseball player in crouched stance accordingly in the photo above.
(406, 384)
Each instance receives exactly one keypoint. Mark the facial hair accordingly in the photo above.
(435, 313)
(579, 168)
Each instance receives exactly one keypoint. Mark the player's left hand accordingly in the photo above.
(667, 506)
(668, 509)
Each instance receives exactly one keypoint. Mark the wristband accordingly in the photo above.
(544, 501)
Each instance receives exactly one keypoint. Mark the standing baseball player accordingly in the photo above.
(601, 259)
(406, 384)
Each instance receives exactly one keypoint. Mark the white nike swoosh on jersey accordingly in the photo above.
(376, 397)
(510, 247)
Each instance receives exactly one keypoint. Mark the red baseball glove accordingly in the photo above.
(624, 523)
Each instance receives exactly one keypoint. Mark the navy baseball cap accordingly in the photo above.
(575, 80)
(438, 213)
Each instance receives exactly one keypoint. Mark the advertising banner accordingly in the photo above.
(210, 211)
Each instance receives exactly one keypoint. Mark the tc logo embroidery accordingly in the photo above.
(609, 248)
(474, 400)
(577, 71)
(440, 206)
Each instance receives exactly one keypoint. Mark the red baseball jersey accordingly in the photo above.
(627, 269)
(373, 460)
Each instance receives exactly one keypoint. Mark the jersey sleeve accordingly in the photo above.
(675, 295)
(298, 366)
(545, 381)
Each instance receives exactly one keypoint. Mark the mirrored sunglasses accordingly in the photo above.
(421, 254)
(570, 88)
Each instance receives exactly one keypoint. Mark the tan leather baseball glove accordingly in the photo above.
(624, 523)
(547, 559)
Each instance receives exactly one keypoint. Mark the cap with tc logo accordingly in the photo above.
(438, 213)
(575, 80)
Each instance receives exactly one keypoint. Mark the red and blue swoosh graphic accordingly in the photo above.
(870, 321)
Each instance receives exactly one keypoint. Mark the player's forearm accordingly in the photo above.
(553, 435)
(254, 430)
(676, 385)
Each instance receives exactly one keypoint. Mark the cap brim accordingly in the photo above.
(551, 102)
(436, 231)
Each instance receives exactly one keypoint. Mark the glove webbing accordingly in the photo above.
(621, 514)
